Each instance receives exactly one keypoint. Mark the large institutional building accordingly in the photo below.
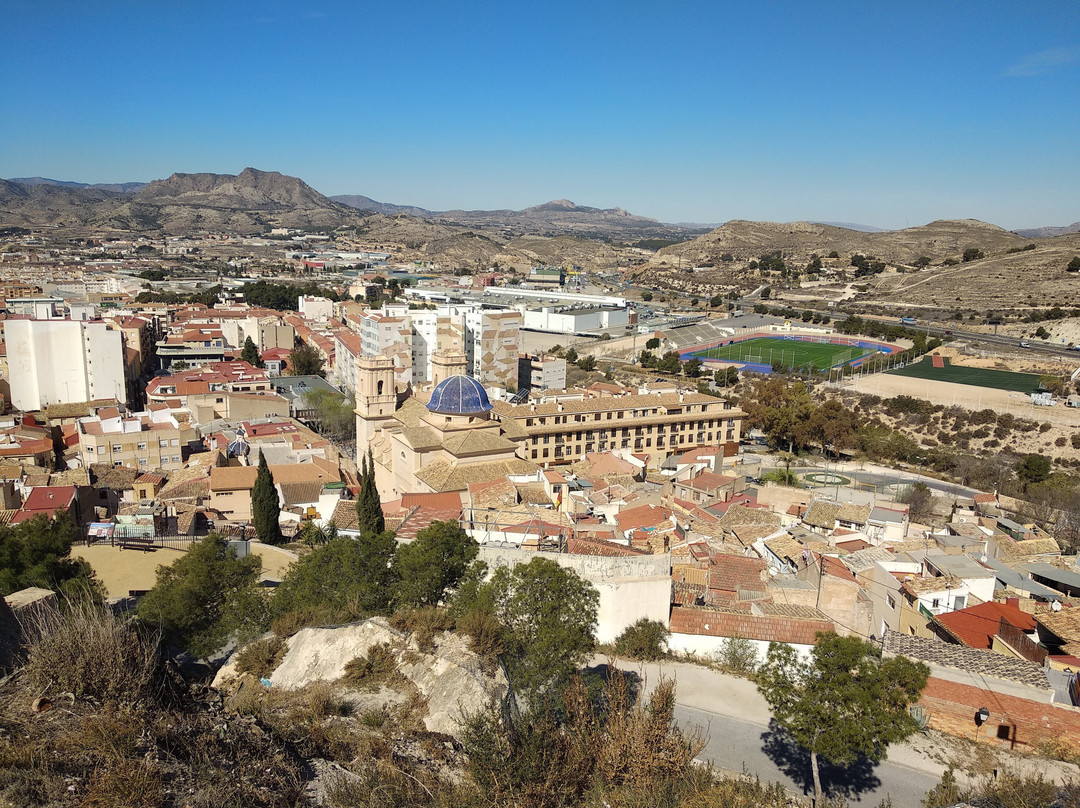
(444, 439)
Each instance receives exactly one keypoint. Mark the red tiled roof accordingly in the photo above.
(731, 573)
(26, 447)
(710, 623)
(976, 626)
(710, 481)
(693, 455)
(424, 516)
(852, 545)
(981, 498)
(49, 498)
(445, 501)
(830, 565)
(45, 500)
(641, 517)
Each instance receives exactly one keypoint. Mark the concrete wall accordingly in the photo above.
(708, 647)
(629, 588)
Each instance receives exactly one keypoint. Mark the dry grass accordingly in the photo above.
(90, 653)
(379, 667)
(262, 657)
(423, 623)
(125, 784)
(487, 637)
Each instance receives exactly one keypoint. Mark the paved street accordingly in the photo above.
(746, 746)
(741, 738)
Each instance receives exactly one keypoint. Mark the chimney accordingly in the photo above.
(1014, 602)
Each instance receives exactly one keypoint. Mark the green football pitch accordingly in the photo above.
(793, 353)
(978, 377)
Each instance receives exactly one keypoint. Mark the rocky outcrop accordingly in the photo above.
(19, 612)
(448, 675)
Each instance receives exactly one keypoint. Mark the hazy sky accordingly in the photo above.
(889, 114)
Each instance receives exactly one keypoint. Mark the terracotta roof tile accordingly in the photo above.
(976, 626)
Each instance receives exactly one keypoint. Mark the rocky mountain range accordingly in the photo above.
(559, 231)
(121, 187)
(559, 217)
(249, 202)
(1050, 232)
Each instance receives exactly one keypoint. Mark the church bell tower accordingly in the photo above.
(376, 398)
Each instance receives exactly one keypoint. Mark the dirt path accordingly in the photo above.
(124, 571)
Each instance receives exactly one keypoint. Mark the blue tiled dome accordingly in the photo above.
(459, 395)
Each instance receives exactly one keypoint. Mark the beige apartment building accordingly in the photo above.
(655, 424)
(144, 440)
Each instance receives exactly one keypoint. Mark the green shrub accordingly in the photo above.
(644, 640)
(739, 656)
(262, 657)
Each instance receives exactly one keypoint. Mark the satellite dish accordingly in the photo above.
(1055, 605)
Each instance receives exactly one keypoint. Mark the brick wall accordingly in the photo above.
(1014, 722)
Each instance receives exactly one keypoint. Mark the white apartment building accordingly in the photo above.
(489, 338)
(540, 372)
(63, 361)
(318, 309)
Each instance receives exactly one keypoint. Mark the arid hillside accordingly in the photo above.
(743, 241)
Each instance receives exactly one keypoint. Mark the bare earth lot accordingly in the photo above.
(121, 571)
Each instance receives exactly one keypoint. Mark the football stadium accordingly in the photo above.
(758, 353)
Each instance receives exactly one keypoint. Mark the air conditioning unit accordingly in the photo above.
(962, 519)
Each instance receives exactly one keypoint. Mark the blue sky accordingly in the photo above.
(889, 114)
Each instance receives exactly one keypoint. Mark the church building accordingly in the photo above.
(442, 440)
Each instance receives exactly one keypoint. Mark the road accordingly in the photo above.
(999, 340)
(740, 746)
(741, 738)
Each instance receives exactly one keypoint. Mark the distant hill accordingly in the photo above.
(120, 187)
(367, 203)
(54, 205)
(559, 217)
(1049, 232)
(862, 228)
(798, 240)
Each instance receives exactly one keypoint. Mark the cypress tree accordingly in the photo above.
(368, 505)
(265, 507)
(361, 493)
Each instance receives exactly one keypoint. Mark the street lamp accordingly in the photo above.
(981, 717)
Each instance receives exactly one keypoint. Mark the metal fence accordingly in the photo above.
(173, 542)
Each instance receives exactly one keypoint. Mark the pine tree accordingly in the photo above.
(265, 507)
(250, 354)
